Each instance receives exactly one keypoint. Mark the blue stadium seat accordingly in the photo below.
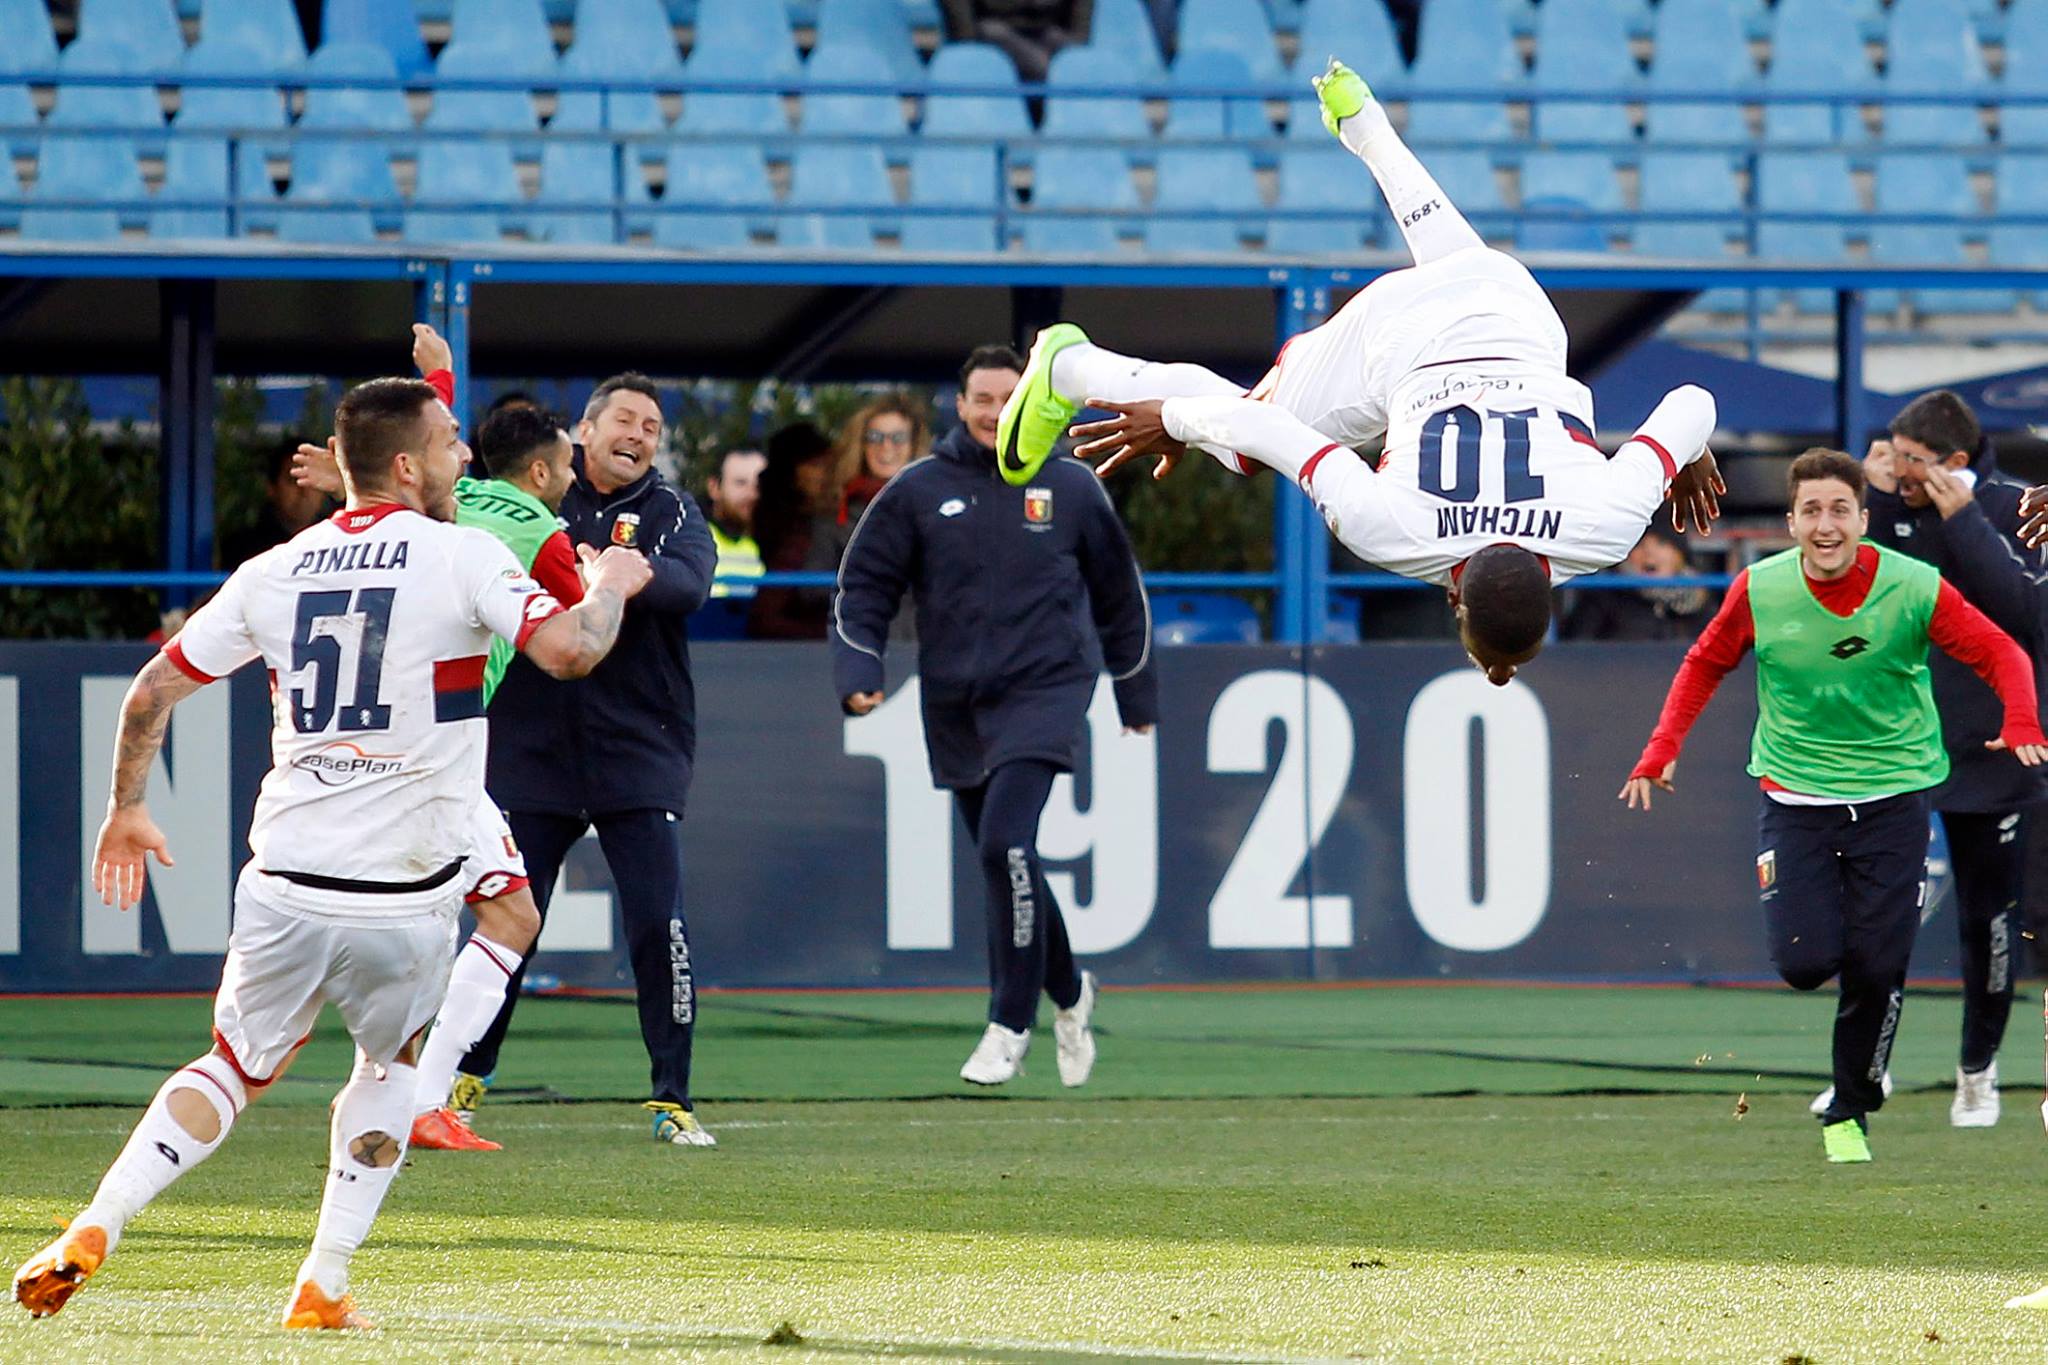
(107, 106)
(1203, 178)
(728, 175)
(836, 177)
(197, 167)
(1467, 177)
(10, 196)
(1213, 117)
(1804, 182)
(726, 112)
(1929, 244)
(270, 27)
(881, 26)
(30, 45)
(380, 23)
(973, 64)
(953, 177)
(18, 111)
(149, 28)
(1700, 44)
(1074, 115)
(872, 115)
(2026, 73)
(620, 39)
(1077, 178)
(1691, 182)
(1330, 181)
(1585, 177)
(335, 170)
(95, 168)
(2022, 191)
(1361, 35)
(1923, 182)
(1825, 56)
(578, 184)
(1463, 44)
(1121, 27)
(469, 169)
(1583, 45)
(1933, 51)
(1239, 26)
(1203, 619)
(482, 111)
(1792, 17)
(1553, 223)
(749, 26)
(516, 28)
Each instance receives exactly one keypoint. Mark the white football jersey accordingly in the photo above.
(1489, 463)
(374, 626)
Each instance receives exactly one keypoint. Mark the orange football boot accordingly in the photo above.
(313, 1309)
(443, 1130)
(48, 1279)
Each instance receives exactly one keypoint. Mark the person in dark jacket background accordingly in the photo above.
(1002, 578)
(614, 750)
(1643, 613)
(1936, 494)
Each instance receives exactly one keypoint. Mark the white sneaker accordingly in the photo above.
(998, 1057)
(1976, 1102)
(1827, 1097)
(1073, 1037)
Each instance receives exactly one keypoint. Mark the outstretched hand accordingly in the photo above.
(319, 468)
(1636, 791)
(1696, 495)
(1137, 430)
(120, 856)
(2032, 755)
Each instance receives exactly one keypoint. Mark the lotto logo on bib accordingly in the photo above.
(340, 763)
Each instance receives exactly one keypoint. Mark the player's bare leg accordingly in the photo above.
(366, 1147)
(1430, 223)
(186, 1123)
(506, 927)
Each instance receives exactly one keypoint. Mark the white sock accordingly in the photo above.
(476, 992)
(372, 1119)
(160, 1150)
(1086, 371)
(1430, 223)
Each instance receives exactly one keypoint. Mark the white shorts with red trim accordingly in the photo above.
(494, 866)
(385, 976)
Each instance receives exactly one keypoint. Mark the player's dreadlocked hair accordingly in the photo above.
(1942, 422)
(512, 438)
(1505, 590)
(377, 420)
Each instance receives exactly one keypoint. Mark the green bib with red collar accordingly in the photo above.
(519, 519)
(1844, 705)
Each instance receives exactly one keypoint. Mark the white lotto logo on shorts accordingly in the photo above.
(489, 888)
(342, 762)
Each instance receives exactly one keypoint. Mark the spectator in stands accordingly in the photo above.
(287, 510)
(734, 489)
(1643, 613)
(1031, 31)
(1023, 597)
(1936, 494)
(880, 439)
(793, 492)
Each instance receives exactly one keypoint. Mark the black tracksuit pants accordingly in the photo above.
(644, 849)
(1027, 939)
(1988, 852)
(1842, 888)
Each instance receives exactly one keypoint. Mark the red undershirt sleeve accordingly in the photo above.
(444, 384)
(554, 568)
(1712, 657)
(1967, 635)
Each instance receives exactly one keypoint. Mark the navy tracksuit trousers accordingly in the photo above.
(1842, 888)
(1988, 853)
(644, 849)
(1027, 939)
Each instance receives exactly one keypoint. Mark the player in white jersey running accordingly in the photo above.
(1491, 483)
(373, 626)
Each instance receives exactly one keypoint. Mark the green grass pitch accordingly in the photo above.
(1398, 1174)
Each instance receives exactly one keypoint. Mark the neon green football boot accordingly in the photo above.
(1846, 1143)
(1035, 418)
(1341, 91)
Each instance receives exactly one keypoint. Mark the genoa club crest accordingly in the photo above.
(1038, 506)
(626, 530)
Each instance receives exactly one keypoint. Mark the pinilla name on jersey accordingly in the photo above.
(1504, 521)
(373, 554)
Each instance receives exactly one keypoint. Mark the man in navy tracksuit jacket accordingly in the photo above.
(615, 749)
(1971, 535)
(1023, 596)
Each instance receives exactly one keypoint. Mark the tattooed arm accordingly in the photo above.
(571, 643)
(128, 836)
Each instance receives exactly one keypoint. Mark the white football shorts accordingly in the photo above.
(494, 866)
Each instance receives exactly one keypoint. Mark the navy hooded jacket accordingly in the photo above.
(1978, 550)
(623, 738)
(1023, 596)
